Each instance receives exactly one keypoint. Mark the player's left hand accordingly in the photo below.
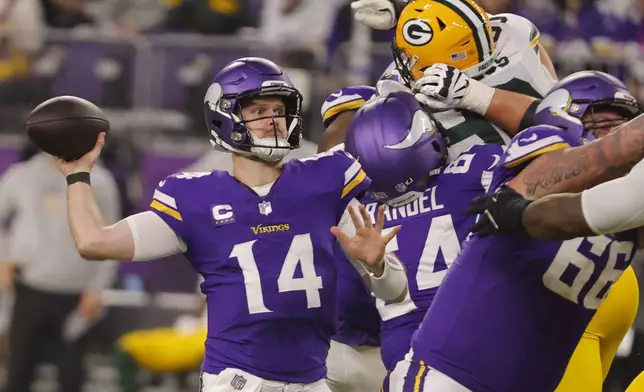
(368, 244)
(502, 211)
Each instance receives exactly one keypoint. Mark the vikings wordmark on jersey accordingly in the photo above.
(512, 309)
(268, 262)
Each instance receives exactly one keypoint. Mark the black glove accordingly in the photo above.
(502, 211)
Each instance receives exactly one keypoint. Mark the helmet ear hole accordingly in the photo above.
(441, 24)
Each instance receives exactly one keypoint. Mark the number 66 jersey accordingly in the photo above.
(268, 262)
(512, 309)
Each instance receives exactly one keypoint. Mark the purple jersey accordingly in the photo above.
(346, 99)
(512, 309)
(434, 226)
(268, 263)
(358, 319)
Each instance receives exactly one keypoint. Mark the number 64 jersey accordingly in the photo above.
(512, 309)
(268, 262)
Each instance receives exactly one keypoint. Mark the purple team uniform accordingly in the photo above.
(268, 263)
(512, 309)
(358, 318)
(434, 226)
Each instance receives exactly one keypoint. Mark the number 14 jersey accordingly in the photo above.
(268, 262)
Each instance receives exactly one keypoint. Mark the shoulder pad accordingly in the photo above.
(345, 99)
(391, 73)
(339, 164)
(533, 142)
(179, 182)
(476, 159)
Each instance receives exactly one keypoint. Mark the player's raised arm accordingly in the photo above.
(599, 104)
(579, 168)
(140, 237)
(445, 84)
(611, 207)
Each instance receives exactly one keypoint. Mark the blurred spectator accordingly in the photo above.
(21, 35)
(57, 293)
(130, 17)
(299, 28)
(582, 29)
(66, 14)
(497, 6)
(207, 16)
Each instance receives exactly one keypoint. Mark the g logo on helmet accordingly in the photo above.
(417, 32)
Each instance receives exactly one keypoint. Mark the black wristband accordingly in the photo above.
(78, 177)
(528, 117)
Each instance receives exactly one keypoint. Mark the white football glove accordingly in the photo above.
(446, 84)
(377, 14)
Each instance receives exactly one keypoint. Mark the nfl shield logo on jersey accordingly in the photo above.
(265, 208)
(238, 382)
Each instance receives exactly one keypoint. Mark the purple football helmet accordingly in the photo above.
(575, 101)
(398, 145)
(239, 83)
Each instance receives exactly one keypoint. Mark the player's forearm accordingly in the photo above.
(556, 218)
(508, 110)
(576, 169)
(389, 280)
(336, 132)
(93, 239)
(617, 205)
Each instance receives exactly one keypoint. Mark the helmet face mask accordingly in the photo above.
(596, 101)
(603, 116)
(245, 82)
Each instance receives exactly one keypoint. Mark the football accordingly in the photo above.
(66, 127)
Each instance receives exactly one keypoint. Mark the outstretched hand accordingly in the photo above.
(368, 244)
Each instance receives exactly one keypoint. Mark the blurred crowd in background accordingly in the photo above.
(148, 63)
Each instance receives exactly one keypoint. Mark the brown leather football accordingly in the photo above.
(66, 127)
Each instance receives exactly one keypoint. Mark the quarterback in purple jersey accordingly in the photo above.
(353, 363)
(513, 308)
(396, 140)
(263, 238)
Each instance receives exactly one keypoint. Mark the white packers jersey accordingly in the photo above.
(517, 68)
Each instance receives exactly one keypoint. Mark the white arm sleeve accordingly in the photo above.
(153, 238)
(616, 205)
(393, 281)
